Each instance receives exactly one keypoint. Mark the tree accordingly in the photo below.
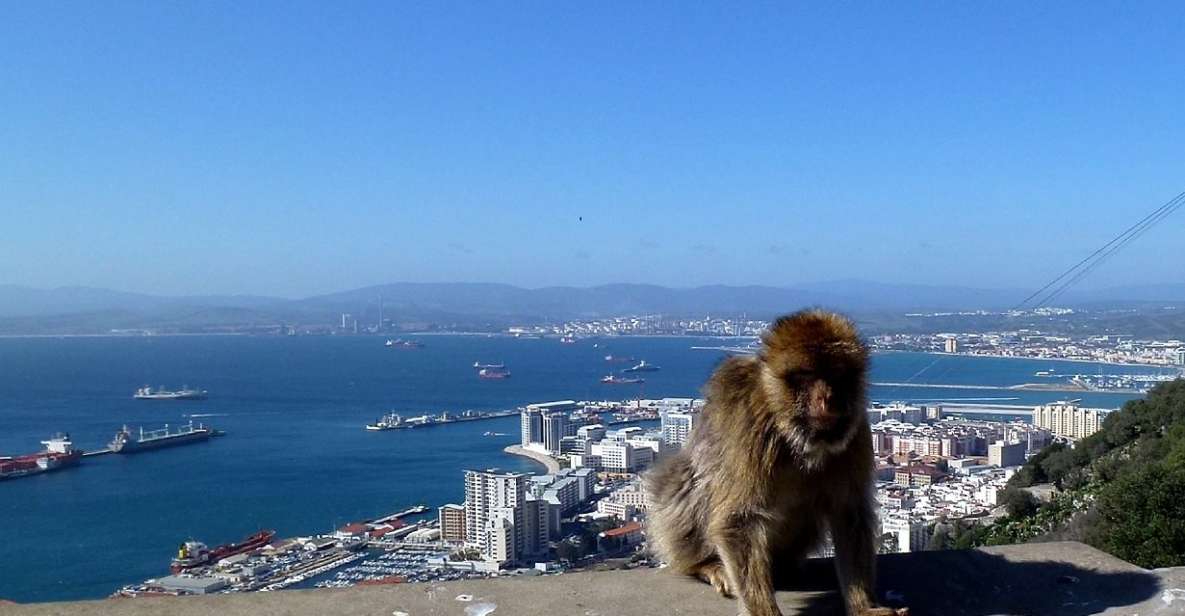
(941, 538)
(1143, 517)
(566, 552)
(1019, 503)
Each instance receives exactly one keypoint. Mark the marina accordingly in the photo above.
(384, 550)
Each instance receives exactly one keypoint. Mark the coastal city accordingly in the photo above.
(1033, 344)
(475, 309)
(1024, 342)
(936, 464)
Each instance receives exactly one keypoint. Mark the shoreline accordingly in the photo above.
(368, 335)
(1097, 362)
(546, 461)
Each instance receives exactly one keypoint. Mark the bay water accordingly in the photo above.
(296, 457)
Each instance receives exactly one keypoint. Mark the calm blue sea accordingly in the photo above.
(296, 457)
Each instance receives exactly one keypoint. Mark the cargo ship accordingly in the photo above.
(127, 442)
(59, 453)
(195, 553)
(493, 373)
(185, 393)
(479, 366)
(642, 366)
(618, 359)
(621, 380)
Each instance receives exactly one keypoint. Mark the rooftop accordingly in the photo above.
(1068, 579)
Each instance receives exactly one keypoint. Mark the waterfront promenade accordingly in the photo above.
(552, 465)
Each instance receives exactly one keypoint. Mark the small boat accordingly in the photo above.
(568, 340)
(621, 380)
(642, 366)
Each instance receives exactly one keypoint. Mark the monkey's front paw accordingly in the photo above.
(883, 611)
(714, 575)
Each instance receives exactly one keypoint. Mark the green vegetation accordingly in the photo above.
(1119, 490)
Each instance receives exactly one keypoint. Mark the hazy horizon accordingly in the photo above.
(1085, 289)
(221, 148)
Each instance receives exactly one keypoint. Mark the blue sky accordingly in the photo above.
(299, 148)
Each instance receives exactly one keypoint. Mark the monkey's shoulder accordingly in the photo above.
(733, 379)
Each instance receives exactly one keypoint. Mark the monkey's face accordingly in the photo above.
(823, 403)
(815, 365)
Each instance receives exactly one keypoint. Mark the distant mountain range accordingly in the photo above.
(30, 310)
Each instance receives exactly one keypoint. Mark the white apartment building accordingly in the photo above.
(677, 426)
(1068, 419)
(494, 513)
(913, 535)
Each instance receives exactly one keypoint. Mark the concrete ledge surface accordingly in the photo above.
(1043, 579)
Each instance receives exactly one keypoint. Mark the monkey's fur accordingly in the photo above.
(782, 455)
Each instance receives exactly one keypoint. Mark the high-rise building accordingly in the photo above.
(532, 426)
(912, 535)
(677, 426)
(622, 457)
(345, 321)
(591, 433)
(452, 522)
(1006, 454)
(555, 425)
(532, 416)
(586, 481)
(1181, 356)
(952, 345)
(494, 510)
(537, 527)
(902, 412)
(1068, 419)
(502, 535)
